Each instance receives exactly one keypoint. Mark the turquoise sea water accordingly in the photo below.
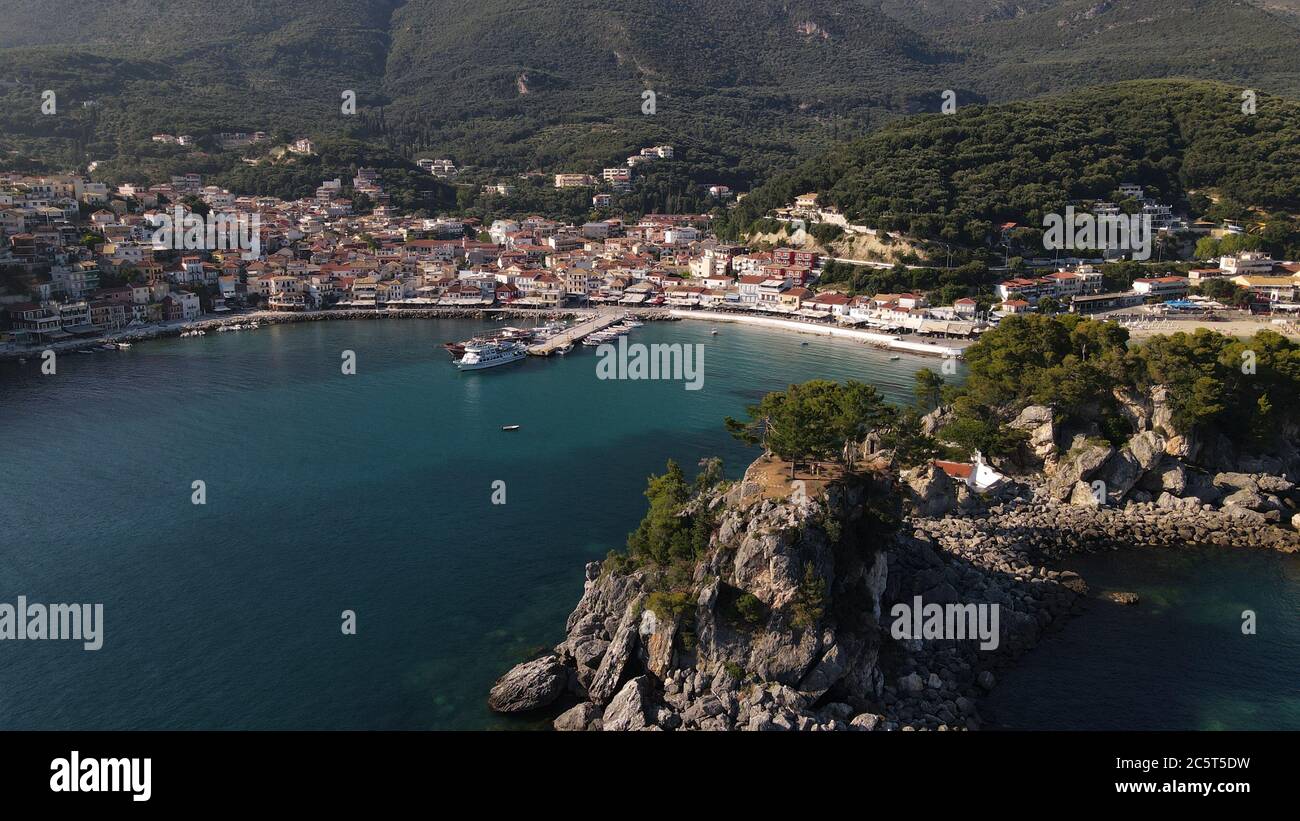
(328, 492)
(373, 493)
(1178, 660)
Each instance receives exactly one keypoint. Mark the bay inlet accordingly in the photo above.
(372, 493)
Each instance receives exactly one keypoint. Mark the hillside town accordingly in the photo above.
(81, 260)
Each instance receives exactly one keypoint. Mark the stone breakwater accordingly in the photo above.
(997, 555)
(1034, 531)
(283, 318)
(623, 666)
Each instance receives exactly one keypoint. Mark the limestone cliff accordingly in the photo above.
(1159, 465)
(786, 620)
(780, 626)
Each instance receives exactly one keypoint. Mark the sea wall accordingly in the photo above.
(287, 317)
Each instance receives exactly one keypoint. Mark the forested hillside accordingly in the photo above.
(506, 85)
(953, 177)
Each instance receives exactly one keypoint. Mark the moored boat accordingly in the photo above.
(490, 354)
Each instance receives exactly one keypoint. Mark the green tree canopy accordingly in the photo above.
(813, 420)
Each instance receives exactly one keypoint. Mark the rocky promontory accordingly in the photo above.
(784, 623)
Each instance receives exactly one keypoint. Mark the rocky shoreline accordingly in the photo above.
(624, 666)
(890, 597)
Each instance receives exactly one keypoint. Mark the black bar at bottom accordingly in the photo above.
(210, 770)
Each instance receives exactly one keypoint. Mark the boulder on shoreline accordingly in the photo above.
(628, 710)
(1119, 597)
(932, 492)
(529, 686)
(579, 717)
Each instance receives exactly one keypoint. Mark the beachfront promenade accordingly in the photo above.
(946, 348)
(591, 321)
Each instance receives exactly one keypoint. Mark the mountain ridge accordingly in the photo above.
(520, 85)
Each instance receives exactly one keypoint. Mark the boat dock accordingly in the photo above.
(576, 334)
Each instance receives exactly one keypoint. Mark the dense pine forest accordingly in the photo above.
(510, 87)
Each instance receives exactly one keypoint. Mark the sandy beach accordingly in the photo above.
(1240, 328)
(905, 344)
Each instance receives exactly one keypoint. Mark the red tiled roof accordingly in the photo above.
(954, 469)
(832, 299)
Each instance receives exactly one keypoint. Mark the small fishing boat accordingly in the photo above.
(713, 332)
(565, 349)
(895, 356)
(803, 343)
(509, 427)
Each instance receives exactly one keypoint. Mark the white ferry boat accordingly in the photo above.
(481, 355)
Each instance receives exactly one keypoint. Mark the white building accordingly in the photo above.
(1246, 263)
(1167, 287)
